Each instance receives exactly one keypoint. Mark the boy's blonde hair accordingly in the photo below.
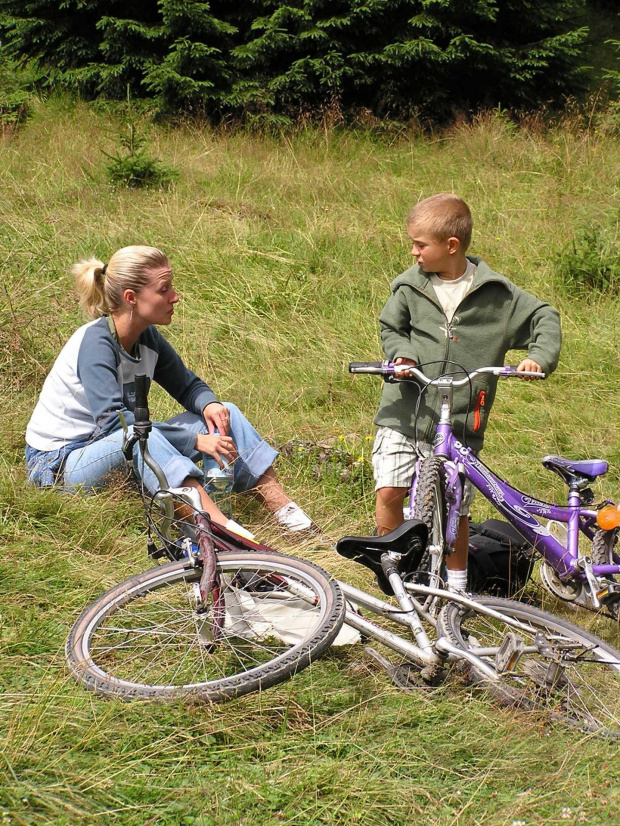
(443, 216)
(101, 287)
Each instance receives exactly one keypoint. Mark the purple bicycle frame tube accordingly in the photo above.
(518, 508)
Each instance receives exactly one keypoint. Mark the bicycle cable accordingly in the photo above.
(423, 389)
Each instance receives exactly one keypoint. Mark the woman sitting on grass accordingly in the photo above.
(75, 435)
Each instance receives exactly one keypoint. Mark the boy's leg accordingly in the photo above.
(394, 458)
(456, 562)
(389, 509)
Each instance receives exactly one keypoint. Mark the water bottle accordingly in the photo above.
(219, 486)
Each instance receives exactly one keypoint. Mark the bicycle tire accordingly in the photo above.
(143, 640)
(429, 506)
(583, 690)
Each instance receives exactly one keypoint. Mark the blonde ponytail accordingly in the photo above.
(89, 282)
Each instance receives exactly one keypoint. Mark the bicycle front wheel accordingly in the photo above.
(567, 672)
(152, 638)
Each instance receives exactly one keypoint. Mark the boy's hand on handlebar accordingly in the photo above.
(533, 366)
(221, 448)
(404, 373)
(216, 417)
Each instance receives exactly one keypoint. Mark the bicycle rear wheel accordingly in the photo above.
(150, 638)
(565, 671)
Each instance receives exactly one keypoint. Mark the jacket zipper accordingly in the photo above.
(431, 430)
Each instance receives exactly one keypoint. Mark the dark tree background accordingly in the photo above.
(392, 57)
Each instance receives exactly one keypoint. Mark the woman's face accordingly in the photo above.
(154, 304)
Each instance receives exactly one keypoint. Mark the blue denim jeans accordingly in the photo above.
(91, 465)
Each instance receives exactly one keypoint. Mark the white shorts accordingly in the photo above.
(394, 458)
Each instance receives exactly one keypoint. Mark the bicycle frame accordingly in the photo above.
(520, 510)
(424, 651)
(517, 507)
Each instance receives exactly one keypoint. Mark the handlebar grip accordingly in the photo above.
(141, 409)
(367, 367)
(511, 371)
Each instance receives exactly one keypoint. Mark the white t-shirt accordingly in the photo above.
(451, 293)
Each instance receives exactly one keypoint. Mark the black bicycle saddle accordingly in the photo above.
(408, 539)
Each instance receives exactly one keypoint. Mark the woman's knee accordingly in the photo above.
(233, 410)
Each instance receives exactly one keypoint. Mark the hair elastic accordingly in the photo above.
(103, 269)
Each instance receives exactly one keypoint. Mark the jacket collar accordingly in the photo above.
(417, 278)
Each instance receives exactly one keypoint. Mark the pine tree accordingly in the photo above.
(394, 57)
(433, 56)
(196, 68)
(81, 43)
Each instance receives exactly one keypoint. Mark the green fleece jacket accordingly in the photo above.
(494, 317)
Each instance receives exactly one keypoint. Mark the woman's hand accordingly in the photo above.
(216, 417)
(221, 448)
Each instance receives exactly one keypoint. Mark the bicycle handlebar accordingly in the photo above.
(389, 370)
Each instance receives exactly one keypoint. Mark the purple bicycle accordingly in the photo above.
(583, 578)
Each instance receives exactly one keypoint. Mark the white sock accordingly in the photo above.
(457, 580)
(292, 517)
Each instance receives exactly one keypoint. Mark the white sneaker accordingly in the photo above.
(292, 517)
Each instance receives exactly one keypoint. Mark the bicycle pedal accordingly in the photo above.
(610, 592)
(509, 652)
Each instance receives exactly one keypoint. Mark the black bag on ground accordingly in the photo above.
(500, 559)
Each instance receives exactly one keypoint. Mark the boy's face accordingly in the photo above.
(430, 254)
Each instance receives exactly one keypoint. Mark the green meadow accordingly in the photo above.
(283, 248)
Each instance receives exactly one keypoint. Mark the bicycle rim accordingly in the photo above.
(149, 638)
(572, 676)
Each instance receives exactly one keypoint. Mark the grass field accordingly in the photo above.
(283, 249)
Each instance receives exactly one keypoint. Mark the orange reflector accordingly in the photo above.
(608, 517)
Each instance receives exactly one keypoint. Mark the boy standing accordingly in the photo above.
(448, 307)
